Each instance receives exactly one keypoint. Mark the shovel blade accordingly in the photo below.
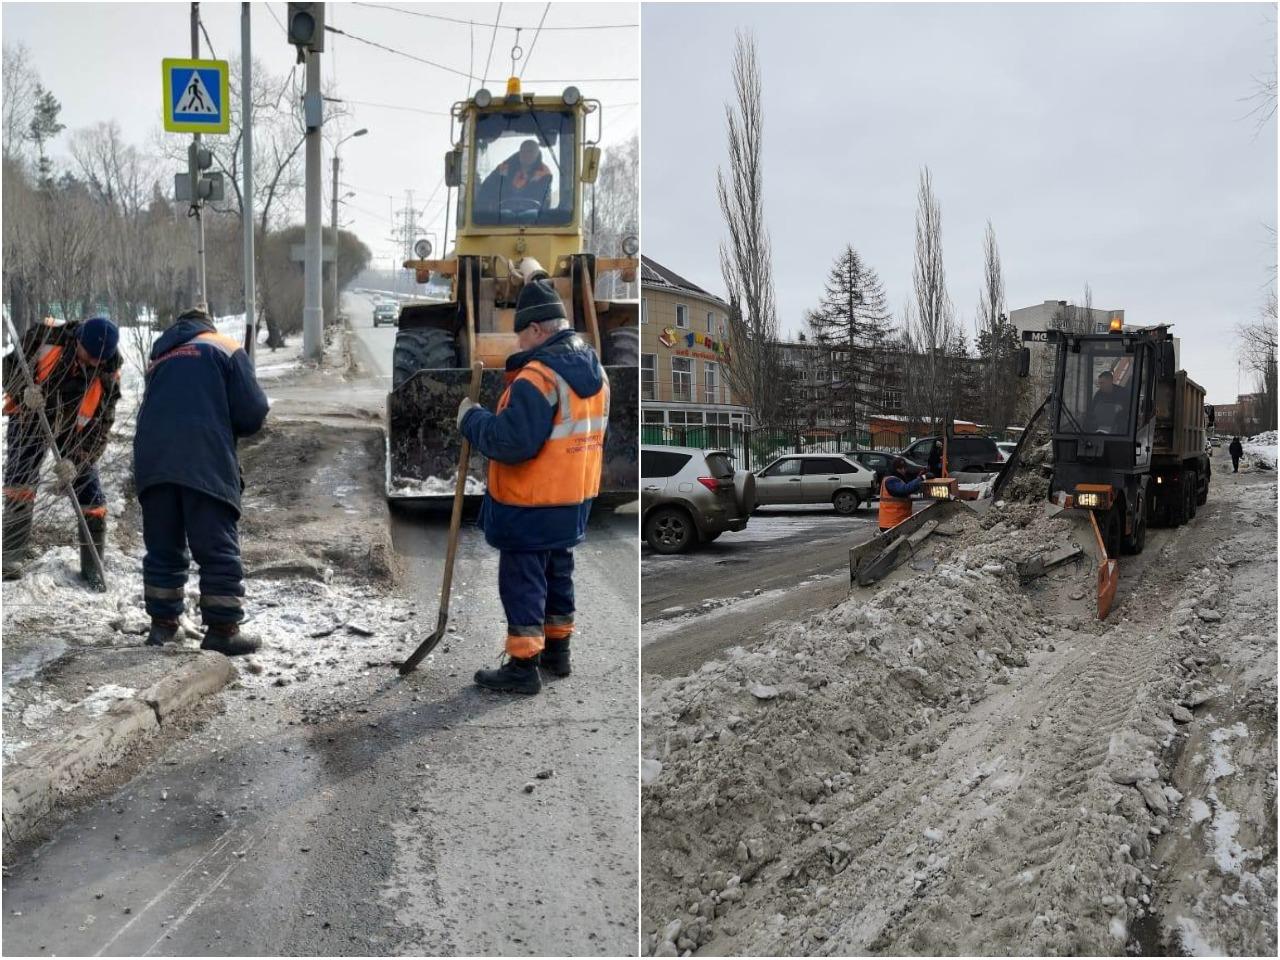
(425, 647)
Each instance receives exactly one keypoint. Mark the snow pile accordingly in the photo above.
(747, 756)
(1262, 448)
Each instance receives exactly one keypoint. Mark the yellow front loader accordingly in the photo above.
(521, 164)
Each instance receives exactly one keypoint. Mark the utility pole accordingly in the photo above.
(312, 311)
(334, 221)
(246, 190)
(201, 297)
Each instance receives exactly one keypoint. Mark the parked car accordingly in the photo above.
(1216, 440)
(815, 478)
(386, 311)
(968, 454)
(880, 463)
(690, 496)
(1006, 448)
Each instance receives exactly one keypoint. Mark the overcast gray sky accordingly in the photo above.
(102, 60)
(1106, 143)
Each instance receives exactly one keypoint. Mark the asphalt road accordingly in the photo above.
(372, 346)
(374, 815)
(788, 563)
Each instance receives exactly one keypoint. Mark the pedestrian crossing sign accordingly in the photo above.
(196, 96)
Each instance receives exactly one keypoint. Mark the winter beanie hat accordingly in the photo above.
(538, 301)
(99, 337)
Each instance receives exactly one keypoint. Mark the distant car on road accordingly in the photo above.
(967, 454)
(385, 311)
(690, 496)
(832, 478)
(1216, 440)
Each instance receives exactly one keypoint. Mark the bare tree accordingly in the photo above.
(746, 259)
(18, 98)
(929, 329)
(614, 212)
(996, 340)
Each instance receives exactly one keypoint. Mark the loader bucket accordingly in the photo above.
(423, 439)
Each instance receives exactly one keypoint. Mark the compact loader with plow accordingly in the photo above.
(1127, 434)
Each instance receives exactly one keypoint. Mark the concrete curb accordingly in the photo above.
(34, 783)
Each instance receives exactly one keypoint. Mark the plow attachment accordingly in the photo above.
(1108, 570)
(423, 442)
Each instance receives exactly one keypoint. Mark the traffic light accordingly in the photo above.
(306, 28)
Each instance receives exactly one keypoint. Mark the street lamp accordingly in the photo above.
(334, 221)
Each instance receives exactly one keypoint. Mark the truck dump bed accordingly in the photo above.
(1179, 418)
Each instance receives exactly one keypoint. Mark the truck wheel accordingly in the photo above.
(622, 347)
(1113, 532)
(424, 348)
(1133, 543)
(669, 531)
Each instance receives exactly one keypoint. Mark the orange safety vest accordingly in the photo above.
(566, 471)
(893, 510)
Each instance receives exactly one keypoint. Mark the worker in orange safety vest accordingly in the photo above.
(545, 446)
(895, 494)
(75, 371)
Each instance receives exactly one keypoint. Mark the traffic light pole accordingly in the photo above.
(197, 204)
(312, 311)
(246, 130)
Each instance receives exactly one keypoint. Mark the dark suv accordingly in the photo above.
(967, 454)
(880, 462)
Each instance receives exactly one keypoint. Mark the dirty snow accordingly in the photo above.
(433, 486)
(1262, 448)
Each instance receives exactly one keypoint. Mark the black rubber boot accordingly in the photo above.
(555, 657)
(227, 638)
(19, 515)
(90, 572)
(162, 632)
(515, 676)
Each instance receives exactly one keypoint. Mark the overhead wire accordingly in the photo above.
(496, 21)
(534, 42)
(476, 23)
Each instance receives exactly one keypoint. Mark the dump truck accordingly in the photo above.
(523, 165)
(1127, 429)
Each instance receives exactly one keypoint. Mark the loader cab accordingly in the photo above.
(520, 163)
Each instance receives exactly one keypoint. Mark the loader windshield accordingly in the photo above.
(1097, 389)
(524, 169)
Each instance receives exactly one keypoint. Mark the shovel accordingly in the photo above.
(455, 522)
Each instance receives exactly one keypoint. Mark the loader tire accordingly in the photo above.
(1134, 544)
(622, 347)
(426, 348)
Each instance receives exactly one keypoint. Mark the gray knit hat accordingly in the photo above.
(538, 301)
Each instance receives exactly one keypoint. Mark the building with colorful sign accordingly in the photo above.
(684, 352)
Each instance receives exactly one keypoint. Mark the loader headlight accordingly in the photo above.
(630, 245)
(943, 488)
(1088, 500)
(1093, 496)
(483, 98)
(571, 96)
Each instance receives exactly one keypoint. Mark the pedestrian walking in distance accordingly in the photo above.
(76, 372)
(545, 446)
(201, 397)
(1236, 452)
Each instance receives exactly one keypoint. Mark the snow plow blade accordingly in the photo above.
(1108, 571)
(423, 442)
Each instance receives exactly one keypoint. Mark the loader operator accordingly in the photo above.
(76, 369)
(520, 184)
(895, 494)
(1108, 410)
(201, 398)
(545, 447)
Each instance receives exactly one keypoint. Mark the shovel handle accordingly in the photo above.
(460, 488)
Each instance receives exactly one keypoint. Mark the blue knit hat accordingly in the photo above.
(99, 337)
(538, 301)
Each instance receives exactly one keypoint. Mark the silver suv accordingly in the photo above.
(689, 496)
(387, 311)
